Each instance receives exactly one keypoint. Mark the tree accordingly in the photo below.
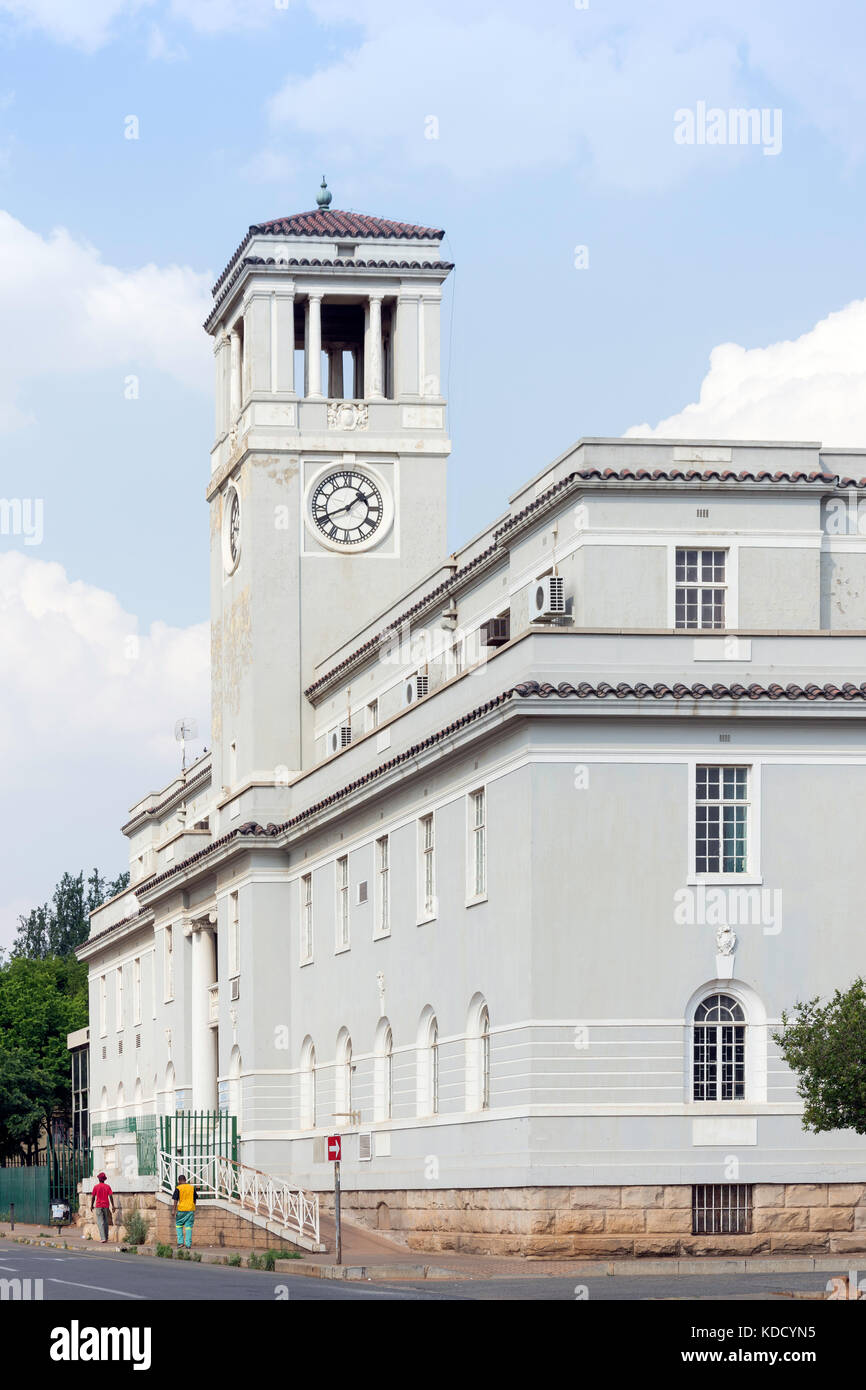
(825, 1044)
(57, 929)
(40, 1002)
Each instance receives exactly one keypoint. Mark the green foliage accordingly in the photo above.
(255, 1261)
(57, 929)
(135, 1230)
(825, 1044)
(43, 996)
(40, 1002)
(164, 1252)
(197, 1257)
(233, 1260)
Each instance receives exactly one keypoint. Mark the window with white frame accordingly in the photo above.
(477, 1069)
(699, 599)
(119, 996)
(342, 902)
(136, 989)
(457, 656)
(383, 885)
(103, 1006)
(234, 935)
(478, 843)
(308, 1085)
(168, 962)
(306, 917)
(721, 820)
(343, 1086)
(373, 715)
(427, 866)
(719, 1049)
(383, 1072)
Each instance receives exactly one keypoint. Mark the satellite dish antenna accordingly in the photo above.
(184, 729)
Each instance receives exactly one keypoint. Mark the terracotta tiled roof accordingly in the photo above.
(226, 280)
(373, 642)
(526, 690)
(331, 222)
(656, 475)
(674, 475)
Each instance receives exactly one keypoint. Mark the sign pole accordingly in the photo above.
(337, 1212)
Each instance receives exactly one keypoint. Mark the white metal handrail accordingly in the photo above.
(213, 1175)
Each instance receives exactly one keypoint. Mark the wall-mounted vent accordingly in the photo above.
(365, 1146)
(703, 512)
(547, 598)
(724, 738)
(104, 1053)
(138, 1040)
(120, 1048)
(235, 988)
(339, 738)
(415, 688)
(496, 631)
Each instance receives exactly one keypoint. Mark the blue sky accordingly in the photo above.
(555, 130)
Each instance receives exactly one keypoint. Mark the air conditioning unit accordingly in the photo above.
(496, 631)
(365, 1146)
(235, 988)
(339, 738)
(416, 688)
(547, 599)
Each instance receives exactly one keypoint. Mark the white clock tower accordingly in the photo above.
(327, 491)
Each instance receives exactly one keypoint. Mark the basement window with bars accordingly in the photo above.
(720, 1208)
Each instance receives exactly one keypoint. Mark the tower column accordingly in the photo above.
(373, 365)
(314, 346)
(235, 371)
(335, 374)
(203, 1038)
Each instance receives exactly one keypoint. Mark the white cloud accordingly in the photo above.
(811, 388)
(64, 309)
(87, 24)
(86, 725)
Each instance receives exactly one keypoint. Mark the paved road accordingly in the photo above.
(125, 1279)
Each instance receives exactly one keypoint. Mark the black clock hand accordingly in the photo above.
(359, 498)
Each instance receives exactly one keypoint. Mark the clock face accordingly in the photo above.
(235, 528)
(231, 530)
(347, 507)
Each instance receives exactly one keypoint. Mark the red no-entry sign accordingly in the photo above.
(334, 1146)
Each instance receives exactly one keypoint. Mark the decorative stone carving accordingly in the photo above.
(347, 415)
(726, 945)
(168, 1041)
(380, 983)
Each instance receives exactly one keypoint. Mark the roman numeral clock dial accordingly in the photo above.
(347, 508)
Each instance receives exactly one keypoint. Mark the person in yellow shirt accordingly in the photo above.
(184, 1198)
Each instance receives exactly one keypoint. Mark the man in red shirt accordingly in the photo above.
(103, 1198)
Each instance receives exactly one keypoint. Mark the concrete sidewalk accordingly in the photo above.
(370, 1256)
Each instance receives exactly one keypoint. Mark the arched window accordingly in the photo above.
(427, 1071)
(343, 1079)
(170, 1092)
(478, 1055)
(308, 1085)
(138, 1097)
(234, 1086)
(121, 1101)
(383, 1077)
(719, 1049)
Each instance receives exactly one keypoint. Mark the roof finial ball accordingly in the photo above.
(324, 196)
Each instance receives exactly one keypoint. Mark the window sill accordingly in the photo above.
(341, 950)
(381, 935)
(479, 898)
(730, 880)
(309, 961)
(422, 921)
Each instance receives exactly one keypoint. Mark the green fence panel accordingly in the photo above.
(29, 1190)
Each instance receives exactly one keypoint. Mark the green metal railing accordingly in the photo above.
(192, 1135)
(146, 1145)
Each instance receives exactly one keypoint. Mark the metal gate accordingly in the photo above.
(196, 1139)
(27, 1189)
